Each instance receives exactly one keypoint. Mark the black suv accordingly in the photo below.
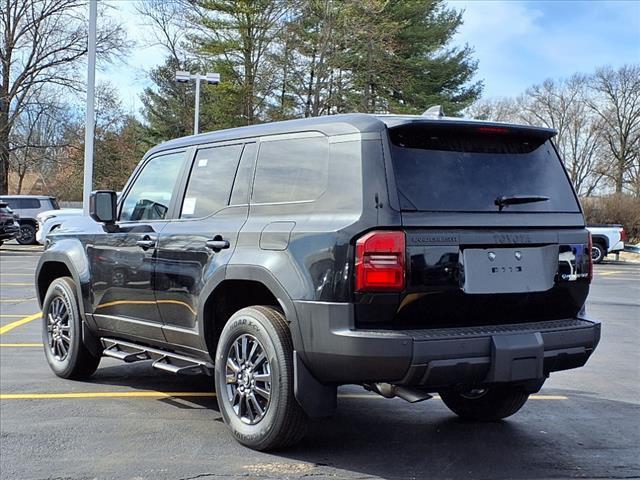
(407, 254)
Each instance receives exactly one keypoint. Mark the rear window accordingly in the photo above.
(468, 168)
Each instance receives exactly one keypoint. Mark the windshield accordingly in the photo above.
(470, 169)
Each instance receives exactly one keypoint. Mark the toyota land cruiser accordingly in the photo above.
(410, 255)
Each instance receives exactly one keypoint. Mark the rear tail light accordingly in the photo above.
(623, 235)
(380, 262)
(590, 277)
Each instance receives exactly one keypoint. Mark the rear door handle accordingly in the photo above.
(217, 244)
(146, 243)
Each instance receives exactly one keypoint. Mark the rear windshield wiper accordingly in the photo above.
(503, 201)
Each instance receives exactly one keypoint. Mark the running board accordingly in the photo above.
(168, 361)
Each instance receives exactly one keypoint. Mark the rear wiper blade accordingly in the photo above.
(503, 201)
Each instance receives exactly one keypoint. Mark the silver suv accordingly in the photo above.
(28, 207)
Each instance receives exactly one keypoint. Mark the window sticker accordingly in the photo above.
(189, 206)
(203, 162)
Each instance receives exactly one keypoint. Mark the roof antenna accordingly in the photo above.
(435, 111)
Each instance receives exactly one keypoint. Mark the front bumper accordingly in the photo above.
(335, 352)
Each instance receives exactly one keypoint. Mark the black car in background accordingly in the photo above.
(411, 255)
(9, 226)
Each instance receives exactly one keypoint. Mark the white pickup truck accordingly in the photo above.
(606, 239)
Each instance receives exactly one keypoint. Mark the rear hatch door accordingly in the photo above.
(495, 233)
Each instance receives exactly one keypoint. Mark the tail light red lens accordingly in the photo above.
(380, 262)
(623, 235)
(590, 277)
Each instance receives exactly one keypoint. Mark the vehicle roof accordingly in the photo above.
(331, 125)
(39, 197)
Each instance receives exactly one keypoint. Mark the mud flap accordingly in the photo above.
(316, 399)
(516, 358)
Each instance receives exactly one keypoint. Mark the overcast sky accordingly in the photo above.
(517, 43)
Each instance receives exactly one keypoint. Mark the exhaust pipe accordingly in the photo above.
(387, 390)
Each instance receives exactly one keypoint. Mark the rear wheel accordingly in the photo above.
(254, 380)
(67, 356)
(597, 252)
(486, 405)
(27, 234)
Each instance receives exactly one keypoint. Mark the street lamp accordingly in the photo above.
(186, 77)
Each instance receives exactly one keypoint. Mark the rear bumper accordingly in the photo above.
(335, 352)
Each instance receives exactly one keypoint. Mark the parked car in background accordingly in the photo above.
(28, 207)
(606, 239)
(51, 219)
(9, 227)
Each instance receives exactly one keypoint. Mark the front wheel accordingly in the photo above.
(27, 234)
(67, 356)
(254, 380)
(486, 405)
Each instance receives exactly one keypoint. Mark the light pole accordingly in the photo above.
(186, 77)
(90, 117)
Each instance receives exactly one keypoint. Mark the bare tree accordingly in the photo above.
(617, 103)
(41, 45)
(168, 24)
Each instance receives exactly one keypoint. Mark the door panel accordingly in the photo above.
(123, 256)
(122, 281)
(196, 248)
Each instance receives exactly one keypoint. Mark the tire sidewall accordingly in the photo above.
(597, 247)
(32, 236)
(250, 321)
(63, 288)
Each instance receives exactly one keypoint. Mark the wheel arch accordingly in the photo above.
(243, 286)
(603, 240)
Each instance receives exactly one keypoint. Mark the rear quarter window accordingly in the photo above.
(440, 169)
(291, 170)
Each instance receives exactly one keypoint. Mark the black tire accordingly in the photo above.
(283, 423)
(487, 405)
(598, 252)
(77, 362)
(27, 234)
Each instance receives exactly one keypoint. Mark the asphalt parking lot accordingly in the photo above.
(133, 422)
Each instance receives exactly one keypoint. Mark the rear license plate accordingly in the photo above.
(509, 270)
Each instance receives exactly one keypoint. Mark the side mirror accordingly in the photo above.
(102, 206)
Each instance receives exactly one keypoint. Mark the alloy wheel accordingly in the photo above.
(58, 329)
(248, 379)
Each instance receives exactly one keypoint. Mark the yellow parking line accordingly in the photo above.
(16, 284)
(12, 315)
(155, 394)
(22, 321)
(2, 274)
(20, 345)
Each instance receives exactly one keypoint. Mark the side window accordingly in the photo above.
(291, 170)
(210, 181)
(12, 202)
(29, 203)
(150, 195)
(242, 183)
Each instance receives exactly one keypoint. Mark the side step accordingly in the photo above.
(168, 361)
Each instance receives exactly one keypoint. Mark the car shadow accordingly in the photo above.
(373, 436)
(142, 376)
